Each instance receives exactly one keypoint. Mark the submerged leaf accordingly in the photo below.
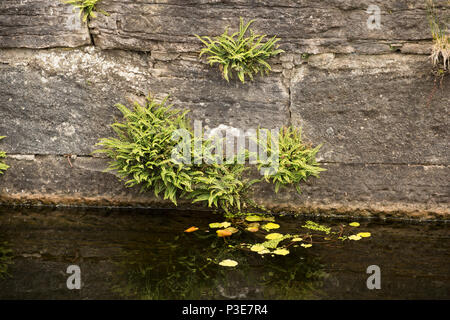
(228, 263)
(231, 229)
(253, 229)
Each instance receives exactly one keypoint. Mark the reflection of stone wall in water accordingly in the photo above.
(363, 92)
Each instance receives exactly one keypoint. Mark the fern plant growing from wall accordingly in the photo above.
(240, 54)
(142, 153)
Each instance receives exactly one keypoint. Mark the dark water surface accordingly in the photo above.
(145, 254)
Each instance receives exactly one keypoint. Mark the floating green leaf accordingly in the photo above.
(217, 225)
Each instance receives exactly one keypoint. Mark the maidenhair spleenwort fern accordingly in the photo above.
(87, 8)
(297, 161)
(3, 166)
(142, 154)
(237, 53)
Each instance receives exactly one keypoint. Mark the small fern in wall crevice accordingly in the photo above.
(240, 54)
(3, 166)
(87, 8)
(440, 53)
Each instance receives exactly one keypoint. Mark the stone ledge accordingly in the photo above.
(394, 191)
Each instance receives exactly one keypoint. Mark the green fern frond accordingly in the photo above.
(239, 54)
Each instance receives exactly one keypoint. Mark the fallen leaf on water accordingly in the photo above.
(191, 229)
(228, 263)
(354, 237)
(354, 224)
(264, 251)
(364, 234)
(253, 225)
(223, 233)
(296, 239)
(306, 245)
(253, 229)
(281, 252)
(273, 236)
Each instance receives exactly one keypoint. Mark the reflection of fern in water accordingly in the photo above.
(5, 259)
(181, 270)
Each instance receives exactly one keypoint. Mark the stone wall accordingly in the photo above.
(368, 95)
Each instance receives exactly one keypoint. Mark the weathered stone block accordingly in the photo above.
(62, 101)
(304, 26)
(41, 24)
(373, 109)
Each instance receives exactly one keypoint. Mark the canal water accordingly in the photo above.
(146, 254)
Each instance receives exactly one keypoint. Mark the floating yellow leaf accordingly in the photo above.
(273, 236)
(223, 233)
(191, 229)
(364, 234)
(354, 237)
(354, 224)
(281, 252)
(257, 247)
(306, 245)
(228, 263)
(296, 239)
(270, 226)
(253, 229)
(264, 251)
